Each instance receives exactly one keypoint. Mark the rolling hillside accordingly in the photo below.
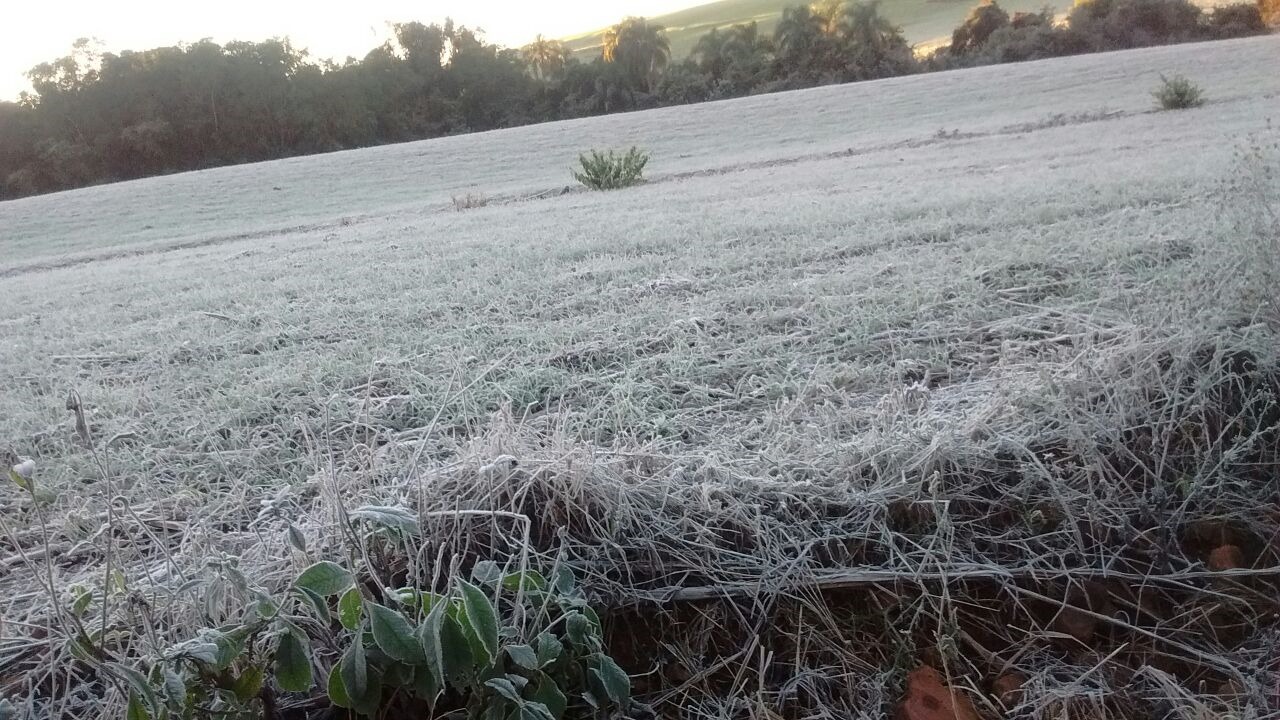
(966, 375)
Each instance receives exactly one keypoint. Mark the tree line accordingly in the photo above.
(94, 118)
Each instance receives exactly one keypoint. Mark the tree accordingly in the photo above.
(800, 40)
(982, 20)
(545, 58)
(830, 15)
(874, 46)
(709, 52)
(423, 46)
(640, 49)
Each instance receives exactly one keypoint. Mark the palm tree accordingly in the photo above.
(640, 49)
(831, 15)
(709, 51)
(863, 24)
(876, 45)
(546, 58)
(744, 41)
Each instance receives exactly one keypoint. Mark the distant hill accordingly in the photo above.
(923, 21)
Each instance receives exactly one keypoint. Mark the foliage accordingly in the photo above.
(610, 170)
(1235, 20)
(641, 49)
(982, 21)
(1121, 24)
(508, 645)
(1269, 10)
(1178, 93)
(546, 58)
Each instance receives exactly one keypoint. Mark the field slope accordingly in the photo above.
(968, 369)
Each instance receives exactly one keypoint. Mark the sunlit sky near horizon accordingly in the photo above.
(31, 33)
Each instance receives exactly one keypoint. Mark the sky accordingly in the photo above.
(33, 32)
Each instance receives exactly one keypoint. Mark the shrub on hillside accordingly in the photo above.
(1178, 93)
(1235, 20)
(610, 171)
(1120, 24)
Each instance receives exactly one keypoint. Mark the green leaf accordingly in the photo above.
(175, 688)
(350, 608)
(536, 711)
(355, 669)
(248, 683)
(578, 628)
(429, 641)
(81, 648)
(426, 685)
(481, 616)
(429, 600)
(369, 703)
(293, 663)
(548, 648)
(548, 693)
(20, 481)
(486, 572)
(614, 680)
(296, 539)
(137, 682)
(80, 603)
(393, 517)
(137, 709)
(564, 580)
(524, 656)
(504, 688)
(230, 644)
(198, 649)
(459, 665)
(317, 604)
(337, 689)
(527, 580)
(395, 635)
(325, 578)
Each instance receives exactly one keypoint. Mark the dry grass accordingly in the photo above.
(802, 417)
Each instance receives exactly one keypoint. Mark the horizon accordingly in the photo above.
(30, 39)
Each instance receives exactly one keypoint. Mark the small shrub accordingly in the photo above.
(469, 201)
(610, 171)
(1178, 93)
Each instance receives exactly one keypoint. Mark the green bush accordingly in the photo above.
(610, 171)
(1178, 93)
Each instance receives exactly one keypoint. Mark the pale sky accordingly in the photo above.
(34, 32)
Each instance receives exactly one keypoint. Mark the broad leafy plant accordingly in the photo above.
(502, 646)
(610, 170)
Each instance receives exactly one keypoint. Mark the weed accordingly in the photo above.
(469, 201)
(610, 170)
(1178, 93)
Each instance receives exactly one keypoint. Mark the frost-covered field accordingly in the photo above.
(803, 273)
